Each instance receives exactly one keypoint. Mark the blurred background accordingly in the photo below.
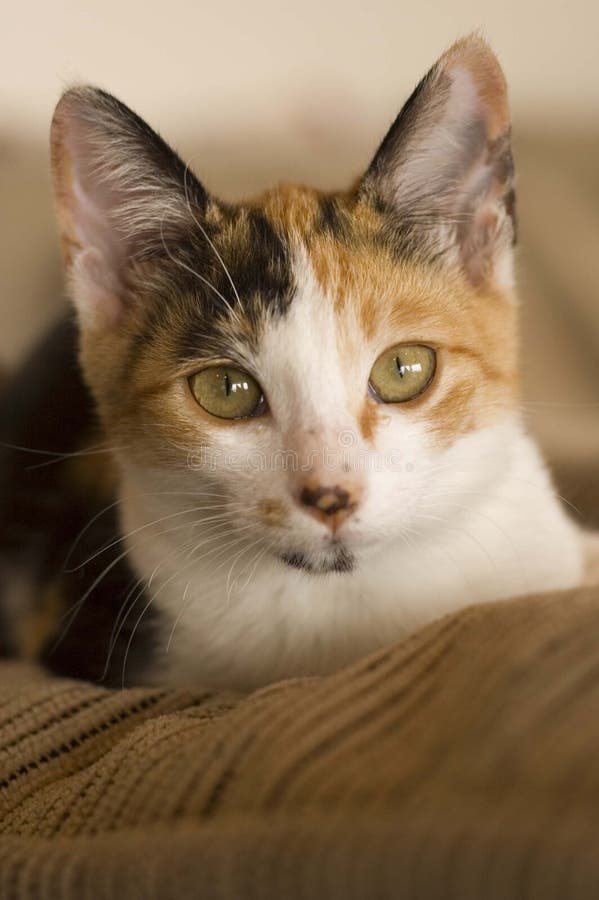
(255, 92)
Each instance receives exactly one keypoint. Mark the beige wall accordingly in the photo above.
(189, 65)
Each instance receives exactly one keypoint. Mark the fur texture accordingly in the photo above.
(292, 542)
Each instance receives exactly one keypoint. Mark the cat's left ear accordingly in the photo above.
(445, 168)
(122, 194)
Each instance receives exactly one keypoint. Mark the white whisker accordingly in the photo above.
(207, 237)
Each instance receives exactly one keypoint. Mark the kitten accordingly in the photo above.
(308, 439)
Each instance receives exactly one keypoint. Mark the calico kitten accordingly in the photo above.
(297, 434)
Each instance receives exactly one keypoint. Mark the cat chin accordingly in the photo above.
(337, 560)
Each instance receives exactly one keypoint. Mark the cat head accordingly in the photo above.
(317, 363)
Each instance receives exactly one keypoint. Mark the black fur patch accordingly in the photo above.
(340, 560)
(239, 269)
(46, 412)
(333, 218)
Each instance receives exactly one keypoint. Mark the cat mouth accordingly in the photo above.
(338, 560)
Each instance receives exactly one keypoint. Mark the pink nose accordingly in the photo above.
(330, 504)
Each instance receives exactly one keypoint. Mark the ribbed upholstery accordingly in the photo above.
(461, 763)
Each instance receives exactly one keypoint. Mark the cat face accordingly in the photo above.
(319, 364)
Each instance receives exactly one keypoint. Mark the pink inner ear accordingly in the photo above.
(118, 187)
(88, 219)
(98, 251)
(464, 102)
(479, 247)
(457, 166)
(472, 61)
(92, 200)
(95, 290)
(478, 89)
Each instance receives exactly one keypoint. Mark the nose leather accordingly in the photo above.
(329, 504)
(328, 500)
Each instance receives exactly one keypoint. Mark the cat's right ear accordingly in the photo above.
(445, 169)
(120, 191)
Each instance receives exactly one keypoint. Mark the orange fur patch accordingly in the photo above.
(368, 419)
(291, 208)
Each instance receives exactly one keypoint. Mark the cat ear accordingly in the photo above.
(120, 192)
(445, 167)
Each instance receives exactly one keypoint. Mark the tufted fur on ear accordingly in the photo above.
(121, 193)
(445, 167)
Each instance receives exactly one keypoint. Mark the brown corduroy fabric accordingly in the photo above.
(460, 763)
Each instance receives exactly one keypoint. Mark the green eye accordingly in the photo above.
(403, 372)
(227, 392)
